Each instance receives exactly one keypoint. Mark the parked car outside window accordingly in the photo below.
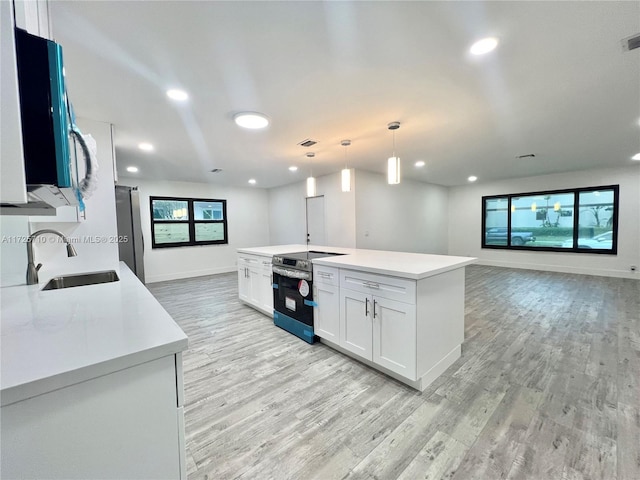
(604, 241)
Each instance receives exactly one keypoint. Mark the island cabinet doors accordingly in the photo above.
(255, 282)
(326, 295)
(379, 330)
(356, 333)
(394, 336)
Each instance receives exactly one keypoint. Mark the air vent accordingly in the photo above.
(307, 143)
(216, 170)
(631, 43)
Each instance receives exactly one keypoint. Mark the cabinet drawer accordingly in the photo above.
(255, 261)
(393, 288)
(326, 275)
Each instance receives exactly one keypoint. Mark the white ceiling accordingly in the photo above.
(559, 85)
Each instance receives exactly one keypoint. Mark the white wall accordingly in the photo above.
(287, 212)
(465, 212)
(95, 239)
(287, 224)
(409, 217)
(247, 226)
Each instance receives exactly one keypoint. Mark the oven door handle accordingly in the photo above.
(290, 273)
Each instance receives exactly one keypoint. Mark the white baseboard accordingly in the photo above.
(192, 273)
(562, 269)
(440, 367)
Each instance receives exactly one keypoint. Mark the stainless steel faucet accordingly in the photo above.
(32, 270)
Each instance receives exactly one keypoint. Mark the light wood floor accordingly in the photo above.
(548, 387)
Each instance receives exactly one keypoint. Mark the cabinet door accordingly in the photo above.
(265, 296)
(326, 316)
(255, 290)
(243, 282)
(355, 323)
(394, 336)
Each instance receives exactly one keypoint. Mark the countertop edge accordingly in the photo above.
(388, 271)
(17, 393)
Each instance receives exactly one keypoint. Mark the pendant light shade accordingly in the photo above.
(393, 164)
(311, 187)
(311, 181)
(393, 171)
(346, 173)
(346, 180)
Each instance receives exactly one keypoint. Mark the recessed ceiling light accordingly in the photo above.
(178, 95)
(293, 168)
(147, 147)
(484, 46)
(252, 181)
(636, 157)
(472, 178)
(419, 163)
(253, 120)
(132, 169)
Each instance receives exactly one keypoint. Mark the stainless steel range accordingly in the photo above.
(293, 292)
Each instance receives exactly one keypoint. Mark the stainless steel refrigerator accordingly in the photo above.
(130, 227)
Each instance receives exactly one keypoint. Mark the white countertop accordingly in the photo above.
(53, 339)
(398, 264)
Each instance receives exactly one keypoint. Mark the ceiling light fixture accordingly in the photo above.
(346, 173)
(311, 181)
(178, 95)
(252, 120)
(293, 168)
(252, 181)
(420, 163)
(393, 164)
(146, 147)
(483, 46)
(636, 157)
(472, 178)
(132, 169)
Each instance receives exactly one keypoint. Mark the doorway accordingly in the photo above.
(316, 234)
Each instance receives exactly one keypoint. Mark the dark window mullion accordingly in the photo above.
(509, 212)
(576, 218)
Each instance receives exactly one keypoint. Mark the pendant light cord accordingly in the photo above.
(394, 143)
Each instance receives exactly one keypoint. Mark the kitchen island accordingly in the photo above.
(401, 313)
(91, 383)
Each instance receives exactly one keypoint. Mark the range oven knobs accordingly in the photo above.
(303, 264)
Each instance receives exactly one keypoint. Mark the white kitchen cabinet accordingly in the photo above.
(356, 333)
(379, 330)
(243, 280)
(326, 295)
(255, 282)
(126, 424)
(394, 333)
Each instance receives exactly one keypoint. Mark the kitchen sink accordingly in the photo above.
(81, 279)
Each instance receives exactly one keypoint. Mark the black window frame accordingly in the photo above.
(191, 222)
(576, 218)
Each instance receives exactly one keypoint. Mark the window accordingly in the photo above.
(181, 222)
(581, 220)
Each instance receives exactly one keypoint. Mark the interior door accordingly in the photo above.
(316, 234)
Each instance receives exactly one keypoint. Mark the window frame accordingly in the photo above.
(191, 222)
(576, 219)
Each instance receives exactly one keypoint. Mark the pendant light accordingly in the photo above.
(393, 164)
(311, 181)
(346, 173)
